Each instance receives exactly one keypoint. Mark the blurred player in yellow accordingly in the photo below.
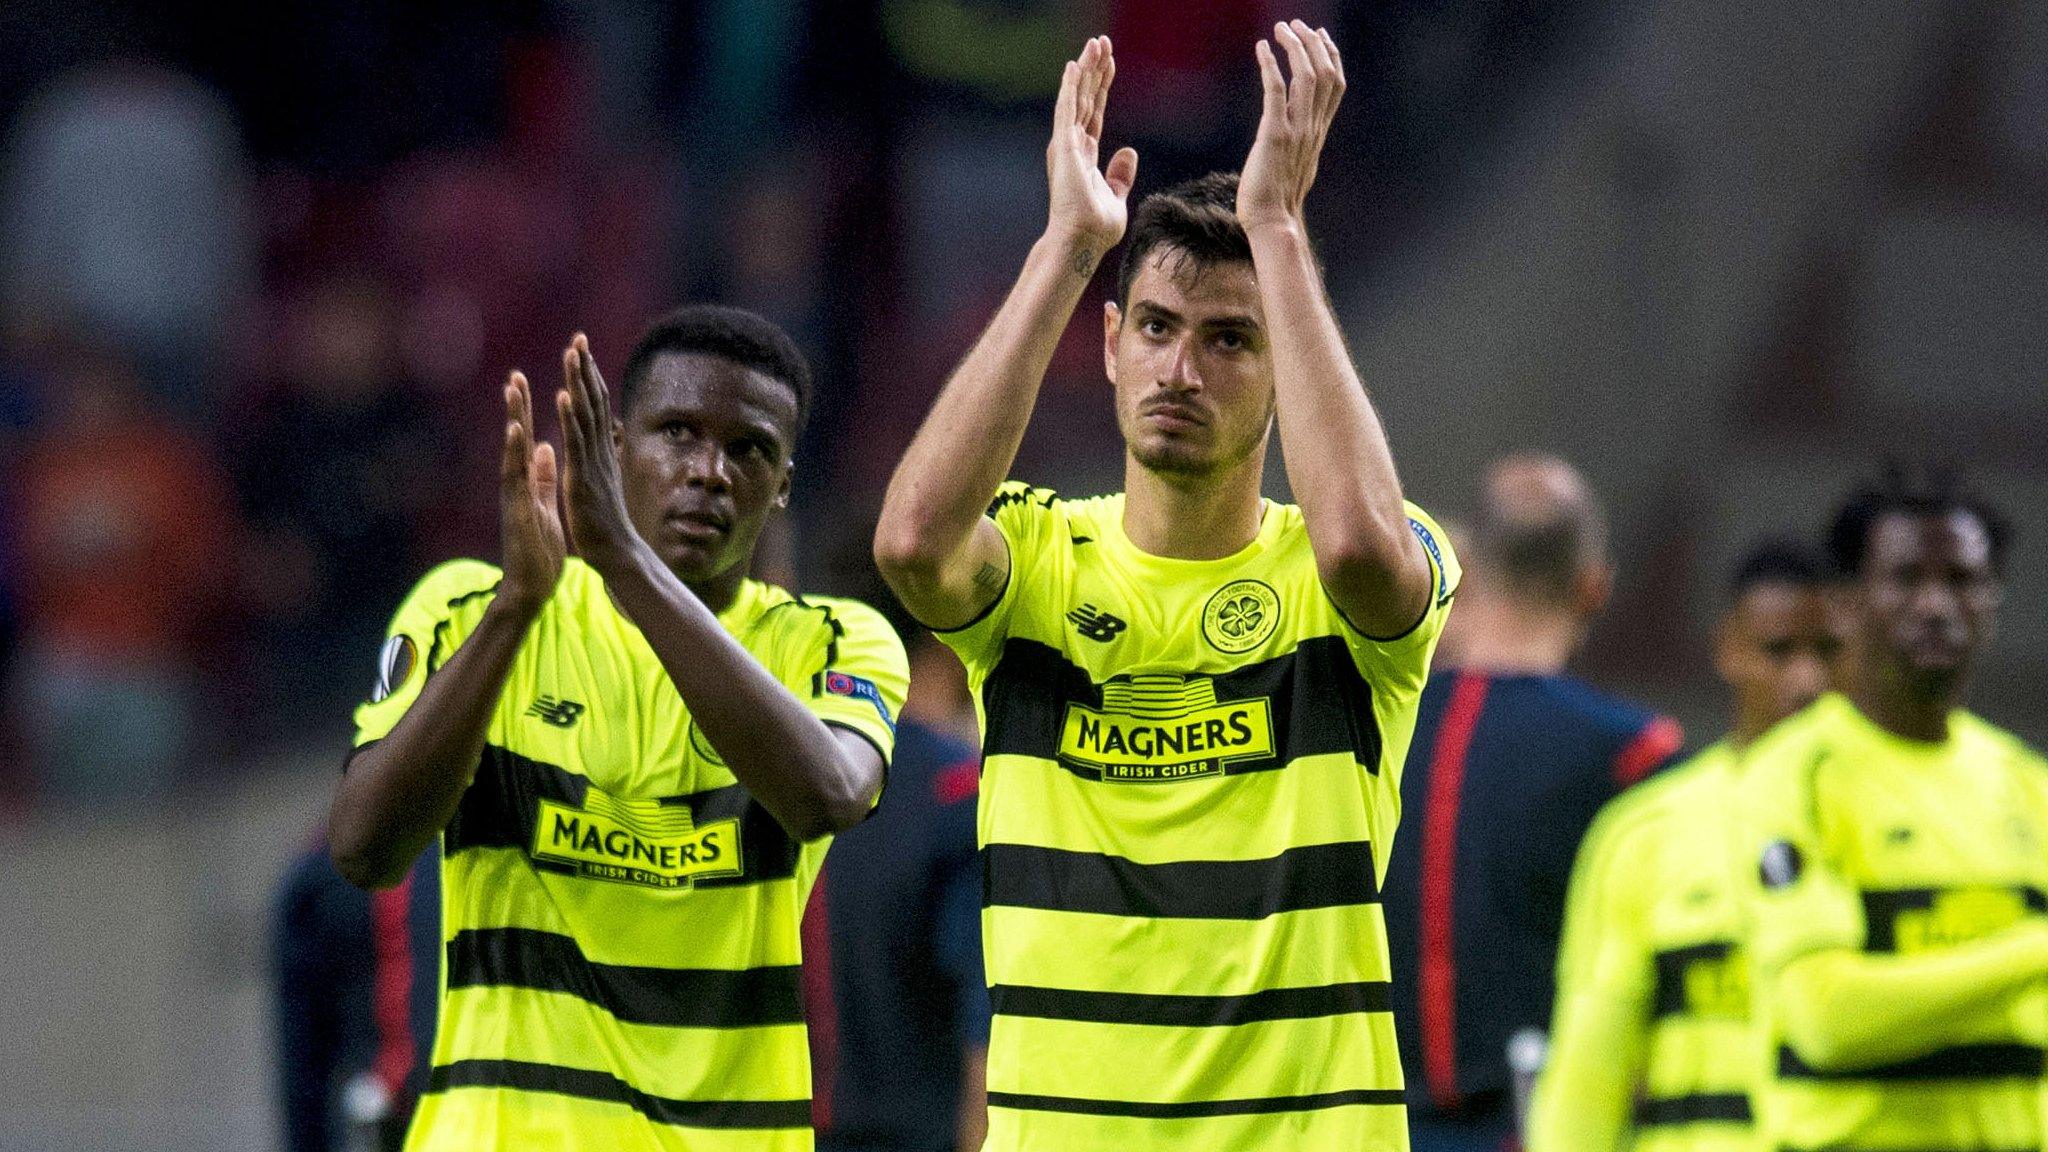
(1650, 1045)
(1896, 860)
(634, 755)
(1195, 702)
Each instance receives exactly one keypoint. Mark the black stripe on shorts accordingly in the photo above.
(671, 997)
(589, 1084)
(1189, 1011)
(1313, 876)
(1883, 907)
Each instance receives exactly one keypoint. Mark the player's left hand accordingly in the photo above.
(593, 495)
(1292, 127)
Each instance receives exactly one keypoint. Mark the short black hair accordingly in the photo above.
(1778, 560)
(745, 338)
(1196, 218)
(1902, 490)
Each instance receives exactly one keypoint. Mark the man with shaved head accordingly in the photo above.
(1511, 760)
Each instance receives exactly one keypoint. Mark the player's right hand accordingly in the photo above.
(530, 523)
(1088, 203)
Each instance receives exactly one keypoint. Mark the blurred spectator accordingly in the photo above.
(341, 468)
(1186, 89)
(124, 529)
(125, 212)
(347, 87)
(1511, 760)
(356, 986)
(745, 73)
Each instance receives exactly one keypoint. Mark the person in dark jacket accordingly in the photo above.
(894, 993)
(354, 980)
(1511, 760)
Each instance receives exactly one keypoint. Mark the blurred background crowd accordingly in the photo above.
(263, 267)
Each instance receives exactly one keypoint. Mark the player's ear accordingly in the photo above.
(782, 489)
(1726, 658)
(1112, 324)
(1591, 588)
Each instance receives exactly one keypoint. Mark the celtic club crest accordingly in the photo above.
(1240, 616)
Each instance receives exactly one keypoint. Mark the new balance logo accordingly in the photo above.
(560, 713)
(1095, 624)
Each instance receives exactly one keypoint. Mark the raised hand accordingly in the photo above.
(600, 530)
(1295, 122)
(1088, 203)
(529, 526)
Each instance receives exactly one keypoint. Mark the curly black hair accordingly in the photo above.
(1778, 560)
(1902, 490)
(734, 334)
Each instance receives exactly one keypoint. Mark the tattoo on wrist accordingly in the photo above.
(1084, 262)
(990, 576)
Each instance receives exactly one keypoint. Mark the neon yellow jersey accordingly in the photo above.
(1859, 839)
(1189, 785)
(1651, 1047)
(620, 918)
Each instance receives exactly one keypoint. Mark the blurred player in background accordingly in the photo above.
(1896, 858)
(356, 984)
(893, 985)
(1651, 1047)
(1511, 760)
(1194, 702)
(637, 754)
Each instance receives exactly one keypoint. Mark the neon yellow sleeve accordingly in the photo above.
(1586, 1093)
(865, 677)
(1032, 522)
(425, 631)
(1841, 1009)
(1838, 1007)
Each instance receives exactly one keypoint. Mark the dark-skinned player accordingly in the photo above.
(634, 755)
(1895, 852)
(1650, 1043)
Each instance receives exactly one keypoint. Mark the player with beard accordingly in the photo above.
(1896, 856)
(1194, 702)
(635, 755)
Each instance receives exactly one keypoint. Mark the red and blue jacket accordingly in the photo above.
(1504, 776)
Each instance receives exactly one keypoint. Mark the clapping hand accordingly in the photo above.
(529, 526)
(1292, 127)
(1088, 203)
(593, 495)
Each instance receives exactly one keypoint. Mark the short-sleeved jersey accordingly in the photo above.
(1189, 785)
(1653, 927)
(1862, 840)
(621, 919)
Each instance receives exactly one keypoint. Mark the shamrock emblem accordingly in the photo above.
(1240, 617)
